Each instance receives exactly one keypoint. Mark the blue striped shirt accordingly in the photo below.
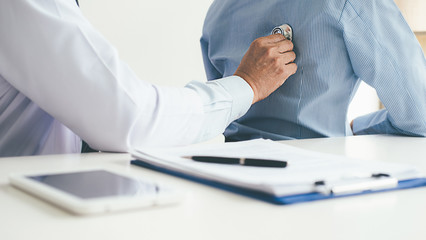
(338, 44)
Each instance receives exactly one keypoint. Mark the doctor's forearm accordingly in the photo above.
(65, 66)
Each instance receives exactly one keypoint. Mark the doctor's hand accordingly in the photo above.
(267, 64)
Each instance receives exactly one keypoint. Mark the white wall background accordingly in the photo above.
(160, 41)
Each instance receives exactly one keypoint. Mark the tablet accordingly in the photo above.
(94, 191)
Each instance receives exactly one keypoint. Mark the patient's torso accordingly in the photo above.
(311, 103)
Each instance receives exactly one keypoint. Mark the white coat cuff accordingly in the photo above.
(241, 92)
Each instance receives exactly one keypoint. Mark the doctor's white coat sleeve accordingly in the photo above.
(51, 54)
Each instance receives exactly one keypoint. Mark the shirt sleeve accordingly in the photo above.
(386, 55)
(51, 54)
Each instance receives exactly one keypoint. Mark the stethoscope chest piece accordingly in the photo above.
(285, 30)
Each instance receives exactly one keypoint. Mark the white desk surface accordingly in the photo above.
(210, 213)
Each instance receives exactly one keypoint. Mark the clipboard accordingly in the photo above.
(279, 200)
(383, 176)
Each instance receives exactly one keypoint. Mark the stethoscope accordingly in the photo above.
(285, 30)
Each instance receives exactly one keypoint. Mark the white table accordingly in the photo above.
(210, 213)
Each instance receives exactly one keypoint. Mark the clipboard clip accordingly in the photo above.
(377, 181)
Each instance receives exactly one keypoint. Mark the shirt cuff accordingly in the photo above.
(372, 123)
(241, 92)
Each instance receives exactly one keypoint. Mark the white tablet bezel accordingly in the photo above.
(82, 206)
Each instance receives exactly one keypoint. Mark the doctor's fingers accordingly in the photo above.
(288, 57)
(284, 46)
(275, 41)
(273, 44)
(274, 38)
(291, 68)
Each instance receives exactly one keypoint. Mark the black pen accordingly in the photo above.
(242, 161)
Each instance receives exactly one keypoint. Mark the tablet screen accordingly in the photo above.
(96, 184)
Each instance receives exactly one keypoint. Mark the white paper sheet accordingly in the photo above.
(303, 170)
